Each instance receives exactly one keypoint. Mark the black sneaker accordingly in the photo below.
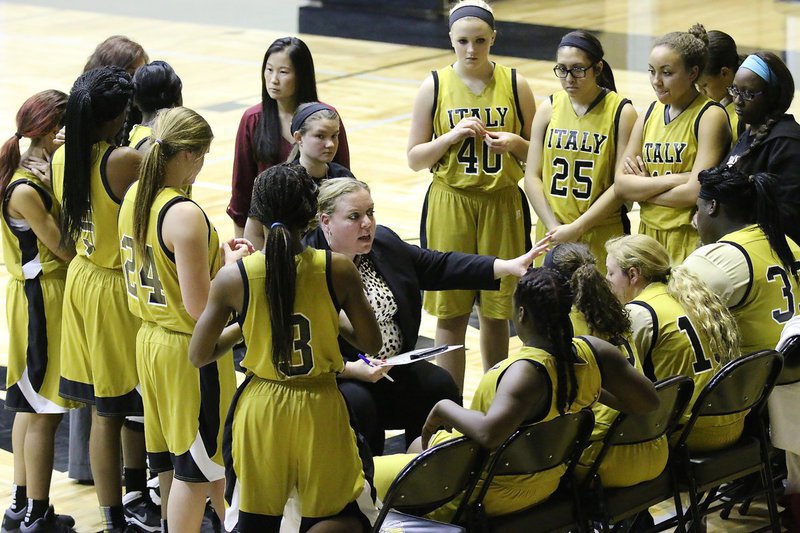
(49, 523)
(211, 522)
(13, 520)
(141, 514)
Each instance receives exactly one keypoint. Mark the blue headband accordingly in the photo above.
(301, 116)
(760, 68)
(472, 11)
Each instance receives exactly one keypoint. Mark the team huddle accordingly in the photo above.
(123, 297)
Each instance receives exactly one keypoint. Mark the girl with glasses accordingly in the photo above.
(577, 141)
(682, 133)
(762, 91)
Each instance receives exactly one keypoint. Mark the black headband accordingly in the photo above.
(300, 117)
(583, 43)
(472, 11)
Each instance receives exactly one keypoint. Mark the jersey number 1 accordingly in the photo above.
(701, 363)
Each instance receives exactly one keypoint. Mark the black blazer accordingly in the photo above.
(409, 269)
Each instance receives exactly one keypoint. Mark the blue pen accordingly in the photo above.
(364, 358)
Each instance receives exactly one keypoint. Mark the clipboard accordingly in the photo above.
(421, 354)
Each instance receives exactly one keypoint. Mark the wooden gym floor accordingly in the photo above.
(373, 87)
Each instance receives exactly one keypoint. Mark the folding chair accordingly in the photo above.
(741, 385)
(531, 449)
(432, 479)
(613, 505)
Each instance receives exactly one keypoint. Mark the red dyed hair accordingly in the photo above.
(39, 115)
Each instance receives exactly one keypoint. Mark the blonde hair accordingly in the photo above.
(327, 114)
(331, 190)
(176, 130)
(478, 3)
(703, 307)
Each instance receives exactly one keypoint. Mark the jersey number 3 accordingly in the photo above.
(301, 344)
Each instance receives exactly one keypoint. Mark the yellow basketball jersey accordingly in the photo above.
(154, 293)
(677, 347)
(139, 135)
(771, 296)
(670, 147)
(98, 241)
(579, 154)
(315, 318)
(24, 254)
(733, 118)
(586, 372)
(470, 164)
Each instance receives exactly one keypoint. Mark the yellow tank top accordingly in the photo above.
(470, 164)
(315, 318)
(139, 135)
(671, 148)
(733, 118)
(677, 347)
(579, 154)
(26, 257)
(771, 297)
(586, 372)
(98, 241)
(154, 294)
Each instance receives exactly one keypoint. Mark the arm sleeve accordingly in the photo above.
(245, 169)
(723, 268)
(641, 329)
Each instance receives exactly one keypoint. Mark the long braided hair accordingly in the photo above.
(97, 97)
(546, 297)
(756, 199)
(779, 97)
(284, 201)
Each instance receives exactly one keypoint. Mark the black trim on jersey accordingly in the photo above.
(516, 100)
(647, 360)
(329, 281)
(141, 142)
(700, 115)
(129, 404)
(245, 290)
(160, 222)
(541, 367)
(749, 268)
(75, 390)
(208, 419)
(104, 177)
(594, 352)
(351, 509)
(27, 242)
(227, 441)
(423, 232)
(596, 101)
(618, 117)
(186, 469)
(36, 351)
(435, 76)
(16, 401)
(649, 110)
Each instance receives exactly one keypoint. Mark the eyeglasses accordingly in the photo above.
(577, 72)
(745, 95)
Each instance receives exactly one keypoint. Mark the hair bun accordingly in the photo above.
(699, 31)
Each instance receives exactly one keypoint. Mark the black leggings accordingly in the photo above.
(404, 404)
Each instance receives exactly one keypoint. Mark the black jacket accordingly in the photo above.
(409, 269)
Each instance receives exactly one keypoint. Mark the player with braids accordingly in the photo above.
(89, 177)
(569, 181)
(37, 265)
(762, 92)
(680, 327)
(552, 374)
(717, 76)
(155, 86)
(680, 134)
(747, 260)
(288, 299)
(170, 253)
